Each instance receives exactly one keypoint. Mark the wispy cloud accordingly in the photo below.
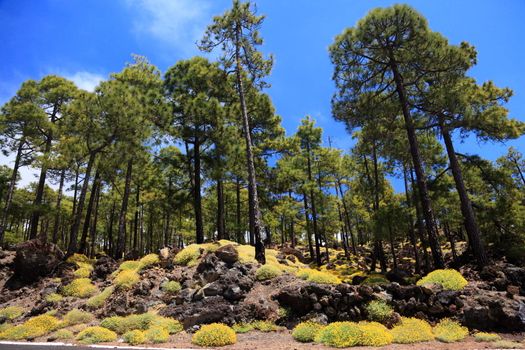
(85, 80)
(177, 23)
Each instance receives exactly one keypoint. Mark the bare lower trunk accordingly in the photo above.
(56, 224)
(121, 242)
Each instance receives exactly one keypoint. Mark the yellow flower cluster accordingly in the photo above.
(92, 335)
(35, 327)
(215, 334)
(79, 288)
(412, 330)
(449, 331)
(267, 272)
(450, 279)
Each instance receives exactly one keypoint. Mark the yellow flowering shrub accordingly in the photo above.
(188, 256)
(157, 335)
(77, 316)
(378, 310)
(126, 279)
(267, 272)
(450, 279)
(11, 312)
(34, 327)
(148, 260)
(129, 265)
(265, 326)
(92, 335)
(63, 334)
(98, 300)
(449, 331)
(305, 332)
(169, 324)
(79, 258)
(53, 298)
(171, 287)
(79, 288)
(340, 334)
(374, 334)
(412, 330)
(134, 337)
(215, 334)
(486, 337)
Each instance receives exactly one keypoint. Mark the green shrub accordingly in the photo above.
(171, 287)
(265, 326)
(82, 272)
(171, 325)
(92, 335)
(77, 316)
(340, 335)
(378, 310)
(188, 256)
(130, 265)
(134, 337)
(98, 300)
(374, 334)
(267, 272)
(148, 260)
(243, 327)
(412, 330)
(157, 335)
(122, 325)
(305, 332)
(11, 312)
(486, 337)
(450, 279)
(215, 334)
(63, 334)
(507, 344)
(79, 258)
(33, 328)
(449, 331)
(79, 288)
(126, 279)
(375, 279)
(321, 277)
(53, 298)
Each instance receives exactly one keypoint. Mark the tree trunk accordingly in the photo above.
(93, 232)
(72, 247)
(240, 234)
(307, 220)
(292, 232)
(10, 191)
(83, 239)
(255, 217)
(35, 218)
(221, 230)
(136, 224)
(418, 167)
(110, 230)
(392, 246)
(411, 232)
(470, 223)
(346, 216)
(121, 242)
(313, 210)
(197, 198)
(420, 224)
(57, 206)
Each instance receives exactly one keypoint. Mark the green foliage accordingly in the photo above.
(79, 258)
(450, 279)
(98, 300)
(79, 288)
(148, 260)
(169, 324)
(134, 337)
(83, 272)
(77, 316)
(92, 335)
(215, 334)
(305, 332)
(11, 312)
(340, 334)
(130, 265)
(53, 298)
(449, 331)
(33, 328)
(63, 334)
(374, 334)
(143, 321)
(267, 272)
(375, 279)
(486, 337)
(323, 278)
(243, 327)
(157, 335)
(126, 279)
(265, 326)
(378, 310)
(171, 287)
(188, 256)
(412, 330)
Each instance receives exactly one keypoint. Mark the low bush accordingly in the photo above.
(450, 279)
(507, 344)
(11, 312)
(486, 337)
(188, 256)
(374, 334)
(267, 272)
(375, 279)
(63, 334)
(412, 330)
(265, 326)
(53, 298)
(126, 279)
(33, 328)
(449, 331)
(243, 327)
(82, 272)
(171, 325)
(215, 334)
(98, 300)
(127, 265)
(148, 260)
(92, 335)
(323, 278)
(171, 287)
(77, 316)
(142, 322)
(157, 335)
(134, 337)
(78, 258)
(378, 310)
(340, 335)
(305, 332)
(79, 288)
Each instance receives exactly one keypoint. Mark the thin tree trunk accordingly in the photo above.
(136, 225)
(392, 246)
(89, 210)
(347, 216)
(313, 210)
(197, 198)
(121, 242)
(418, 167)
(93, 232)
(221, 230)
(307, 220)
(57, 206)
(292, 232)
(255, 217)
(420, 224)
(240, 235)
(470, 223)
(10, 191)
(411, 232)
(110, 230)
(72, 247)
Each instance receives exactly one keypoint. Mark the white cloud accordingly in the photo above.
(85, 80)
(177, 23)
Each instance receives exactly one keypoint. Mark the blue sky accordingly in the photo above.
(87, 40)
